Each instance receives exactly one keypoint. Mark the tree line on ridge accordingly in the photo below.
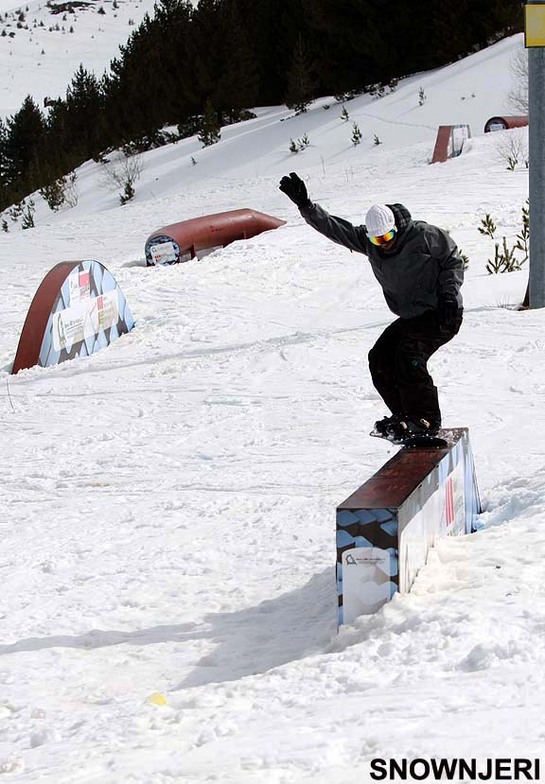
(184, 64)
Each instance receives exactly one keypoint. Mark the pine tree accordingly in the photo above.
(237, 83)
(210, 132)
(23, 138)
(205, 49)
(275, 26)
(84, 113)
(354, 41)
(357, 135)
(154, 77)
(173, 31)
(301, 82)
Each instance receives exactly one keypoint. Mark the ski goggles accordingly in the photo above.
(383, 238)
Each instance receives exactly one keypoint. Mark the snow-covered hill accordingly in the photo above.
(168, 505)
(42, 44)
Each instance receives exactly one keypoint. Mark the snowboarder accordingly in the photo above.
(420, 271)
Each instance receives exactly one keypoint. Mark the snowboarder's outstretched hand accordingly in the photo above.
(294, 187)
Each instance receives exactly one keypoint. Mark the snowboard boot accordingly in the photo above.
(383, 425)
(400, 431)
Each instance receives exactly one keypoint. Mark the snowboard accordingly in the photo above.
(415, 442)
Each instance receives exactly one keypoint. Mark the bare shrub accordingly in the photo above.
(518, 96)
(512, 147)
(122, 172)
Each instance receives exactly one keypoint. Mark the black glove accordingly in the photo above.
(447, 309)
(294, 187)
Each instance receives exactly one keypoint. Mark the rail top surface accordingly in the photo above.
(401, 475)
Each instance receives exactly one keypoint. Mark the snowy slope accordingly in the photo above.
(40, 56)
(168, 504)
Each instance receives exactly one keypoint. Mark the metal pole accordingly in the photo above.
(536, 141)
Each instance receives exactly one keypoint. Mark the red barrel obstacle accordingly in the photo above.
(182, 241)
(505, 123)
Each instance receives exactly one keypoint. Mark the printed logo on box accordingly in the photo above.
(84, 319)
(164, 253)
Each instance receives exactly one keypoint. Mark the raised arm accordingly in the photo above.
(336, 229)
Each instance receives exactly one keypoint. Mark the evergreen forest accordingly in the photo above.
(196, 69)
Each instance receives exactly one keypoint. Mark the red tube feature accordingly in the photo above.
(504, 123)
(182, 241)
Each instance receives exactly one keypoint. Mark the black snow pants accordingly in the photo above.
(398, 365)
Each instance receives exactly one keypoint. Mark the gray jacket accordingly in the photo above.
(423, 266)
